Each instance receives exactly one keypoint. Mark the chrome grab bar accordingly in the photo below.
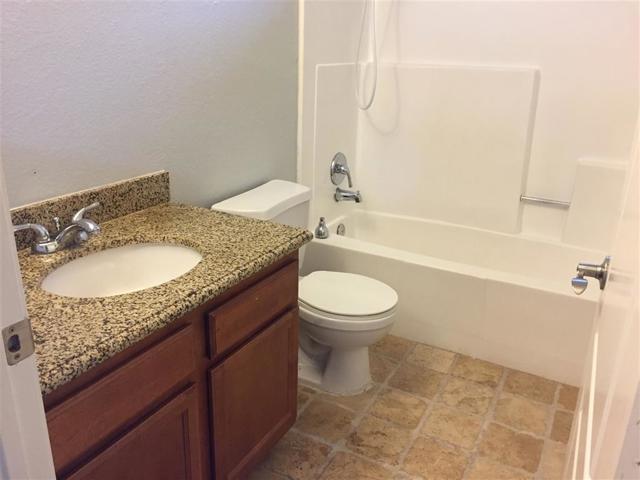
(545, 201)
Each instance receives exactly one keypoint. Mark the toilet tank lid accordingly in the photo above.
(266, 201)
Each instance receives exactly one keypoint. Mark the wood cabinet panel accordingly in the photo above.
(88, 418)
(163, 447)
(254, 397)
(245, 314)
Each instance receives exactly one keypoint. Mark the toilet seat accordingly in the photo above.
(345, 322)
(346, 301)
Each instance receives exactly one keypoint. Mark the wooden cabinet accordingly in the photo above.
(162, 447)
(120, 397)
(248, 312)
(254, 398)
(205, 397)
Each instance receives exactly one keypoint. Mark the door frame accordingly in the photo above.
(25, 451)
(603, 417)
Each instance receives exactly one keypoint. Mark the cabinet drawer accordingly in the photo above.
(249, 311)
(164, 446)
(107, 405)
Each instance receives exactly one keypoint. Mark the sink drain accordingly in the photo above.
(341, 230)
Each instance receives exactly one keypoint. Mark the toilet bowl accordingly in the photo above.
(341, 315)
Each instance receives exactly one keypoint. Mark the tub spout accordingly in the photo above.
(343, 195)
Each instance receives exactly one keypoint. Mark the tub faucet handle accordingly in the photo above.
(322, 231)
(340, 169)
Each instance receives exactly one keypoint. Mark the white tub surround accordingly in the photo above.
(580, 105)
(596, 194)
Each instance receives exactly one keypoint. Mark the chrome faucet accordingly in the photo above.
(343, 195)
(76, 233)
(339, 169)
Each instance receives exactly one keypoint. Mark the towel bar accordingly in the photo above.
(545, 201)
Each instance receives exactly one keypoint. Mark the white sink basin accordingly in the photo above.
(121, 270)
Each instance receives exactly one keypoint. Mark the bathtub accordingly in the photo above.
(499, 297)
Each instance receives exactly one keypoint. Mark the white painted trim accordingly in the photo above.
(300, 89)
(25, 452)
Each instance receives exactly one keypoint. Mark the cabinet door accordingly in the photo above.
(164, 446)
(254, 398)
(86, 420)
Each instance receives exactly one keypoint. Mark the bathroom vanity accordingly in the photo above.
(219, 382)
(192, 378)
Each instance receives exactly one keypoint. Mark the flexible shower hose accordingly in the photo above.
(368, 4)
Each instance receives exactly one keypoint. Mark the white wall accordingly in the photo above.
(99, 91)
(329, 30)
(586, 53)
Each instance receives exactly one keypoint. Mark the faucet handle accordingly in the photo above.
(80, 213)
(42, 234)
(339, 169)
(345, 170)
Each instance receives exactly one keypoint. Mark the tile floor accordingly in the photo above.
(432, 414)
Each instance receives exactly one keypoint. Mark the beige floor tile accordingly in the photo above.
(402, 476)
(432, 460)
(304, 394)
(553, 460)
(379, 440)
(416, 380)
(345, 466)
(263, 474)
(468, 396)
(453, 426)
(430, 357)
(381, 367)
(561, 428)
(568, 397)
(451, 436)
(511, 448)
(522, 414)
(530, 386)
(297, 456)
(398, 407)
(477, 370)
(353, 402)
(393, 347)
(326, 420)
(486, 469)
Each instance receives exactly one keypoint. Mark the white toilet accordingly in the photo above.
(341, 314)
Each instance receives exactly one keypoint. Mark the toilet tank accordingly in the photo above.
(278, 200)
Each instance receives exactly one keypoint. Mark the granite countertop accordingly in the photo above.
(74, 334)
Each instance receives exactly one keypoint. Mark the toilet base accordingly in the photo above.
(343, 371)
